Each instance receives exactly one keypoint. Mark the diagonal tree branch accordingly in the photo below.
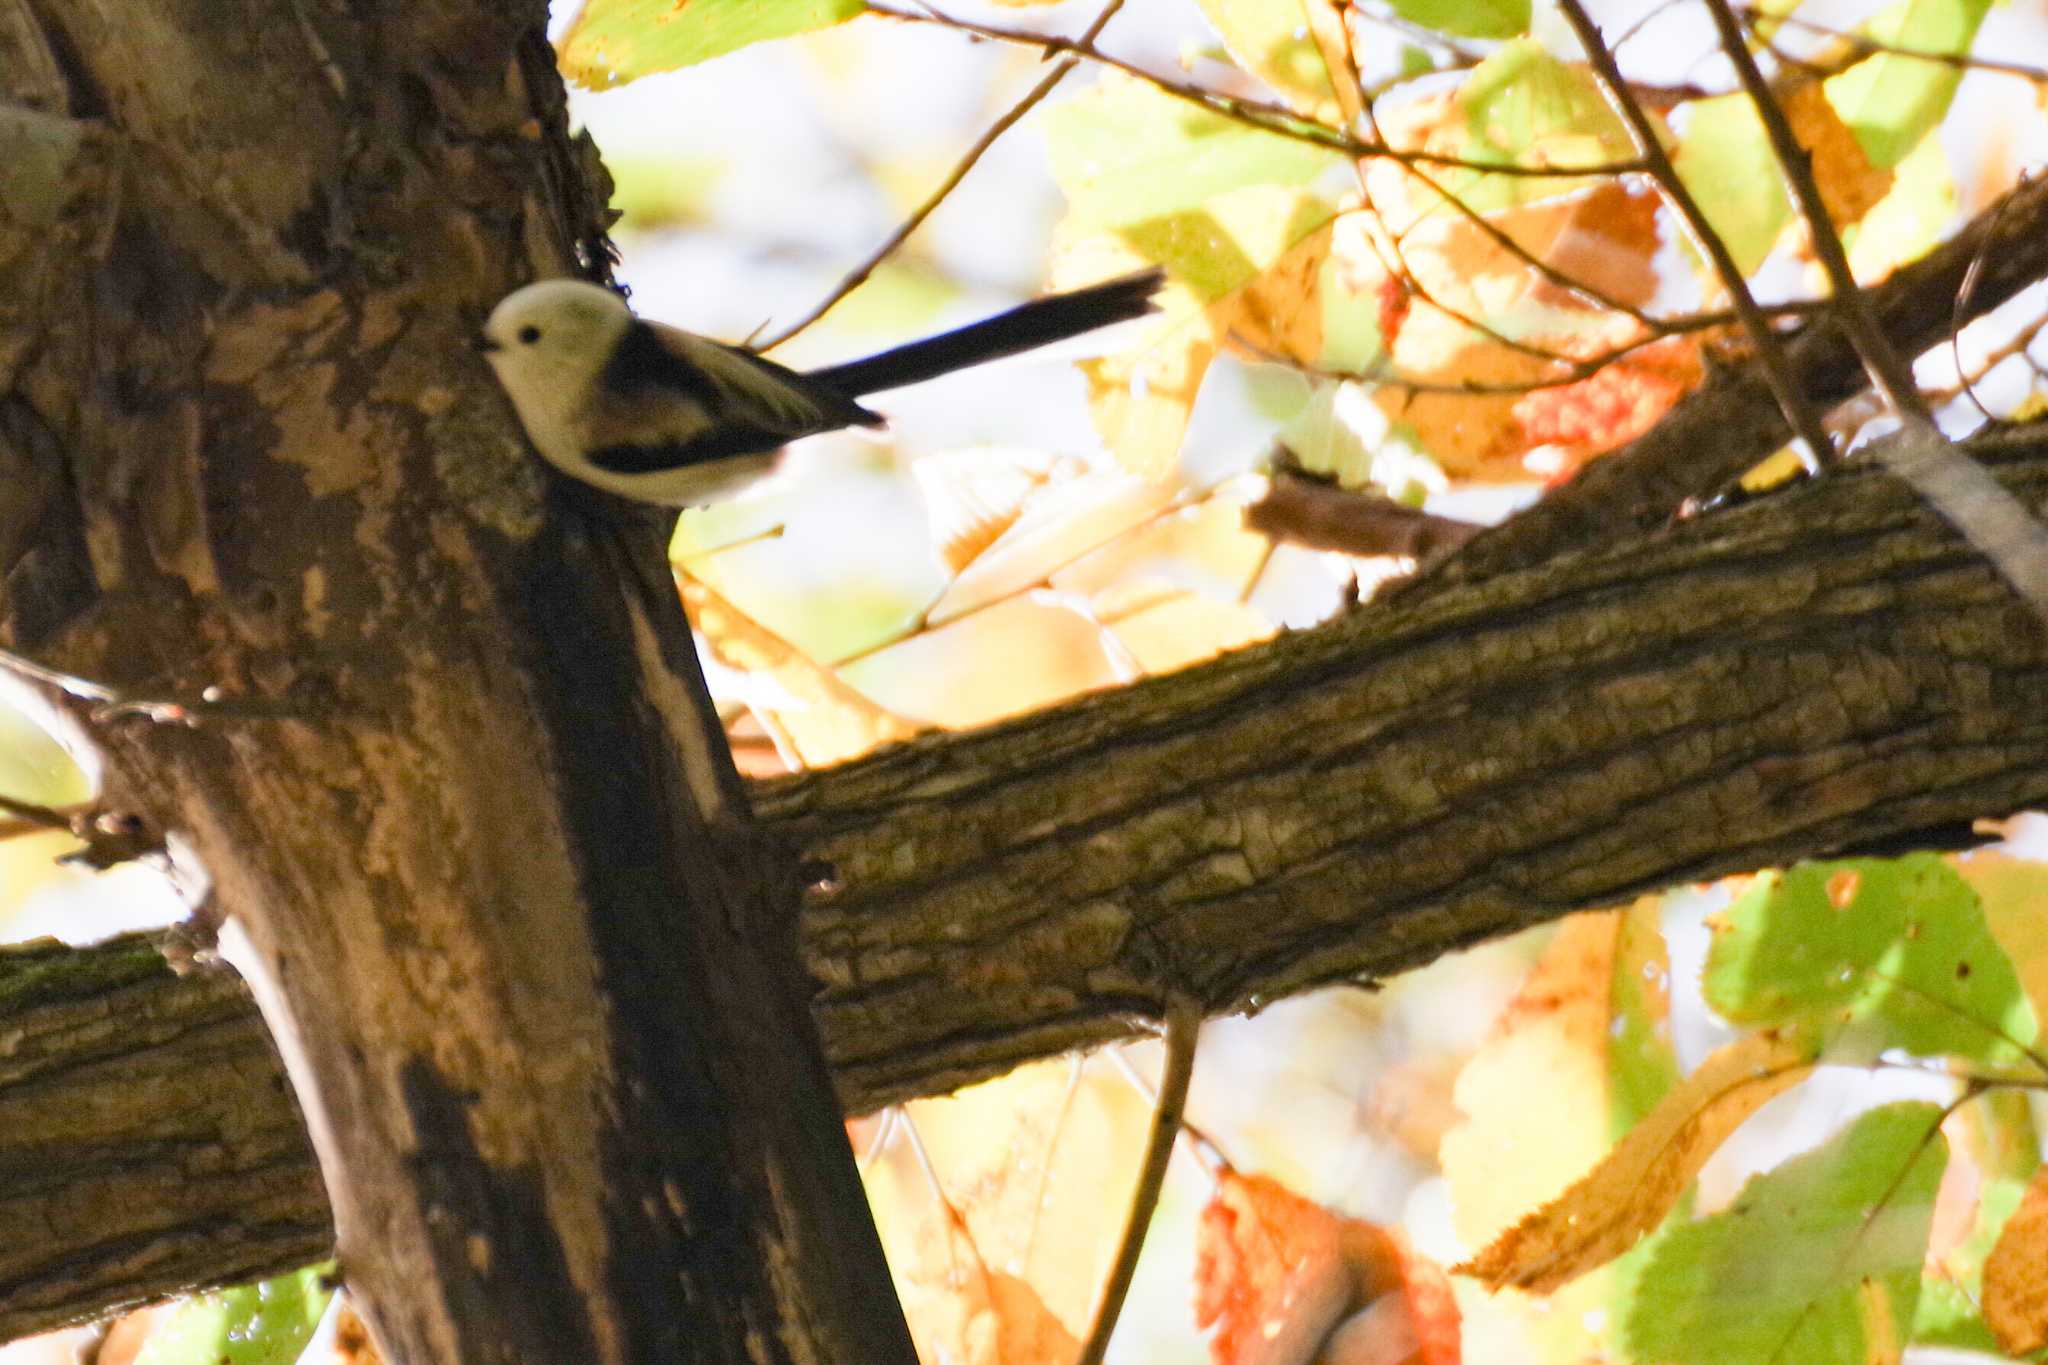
(1824, 667)
(1716, 433)
(1771, 361)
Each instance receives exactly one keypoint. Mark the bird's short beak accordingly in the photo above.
(484, 346)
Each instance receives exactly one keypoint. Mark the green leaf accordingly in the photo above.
(1996, 1134)
(1123, 153)
(1891, 102)
(1324, 442)
(1271, 39)
(252, 1324)
(1468, 18)
(1725, 159)
(1871, 954)
(1641, 1066)
(1522, 106)
(616, 41)
(1817, 1261)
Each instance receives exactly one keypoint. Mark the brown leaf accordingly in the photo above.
(1634, 1186)
(2016, 1274)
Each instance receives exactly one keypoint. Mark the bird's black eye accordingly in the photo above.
(529, 334)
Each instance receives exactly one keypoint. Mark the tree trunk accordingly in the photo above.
(1823, 667)
(532, 979)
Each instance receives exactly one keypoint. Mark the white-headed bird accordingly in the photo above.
(661, 415)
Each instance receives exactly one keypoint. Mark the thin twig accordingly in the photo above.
(1183, 1026)
(1579, 289)
(2017, 344)
(113, 704)
(85, 689)
(858, 276)
(1863, 47)
(1322, 516)
(1208, 1152)
(1271, 118)
(878, 1143)
(108, 839)
(1777, 369)
(1076, 1065)
(1955, 485)
(1888, 371)
(1962, 302)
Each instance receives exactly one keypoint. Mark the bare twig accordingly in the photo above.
(2018, 344)
(1976, 504)
(113, 704)
(1183, 1025)
(108, 838)
(1861, 47)
(1888, 370)
(1323, 516)
(1955, 327)
(1777, 370)
(1732, 421)
(1493, 232)
(1208, 1153)
(1271, 118)
(858, 276)
(85, 689)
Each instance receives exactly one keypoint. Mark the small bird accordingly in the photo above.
(664, 416)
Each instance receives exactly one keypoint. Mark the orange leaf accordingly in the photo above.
(1634, 1186)
(1281, 1279)
(1615, 405)
(2016, 1274)
(1849, 184)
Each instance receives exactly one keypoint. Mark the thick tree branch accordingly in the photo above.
(1824, 667)
(148, 1140)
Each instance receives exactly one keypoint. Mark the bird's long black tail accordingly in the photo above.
(1037, 323)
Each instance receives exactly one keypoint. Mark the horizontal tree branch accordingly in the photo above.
(148, 1140)
(1826, 666)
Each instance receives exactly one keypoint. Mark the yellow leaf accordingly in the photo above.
(823, 719)
(1033, 1167)
(2011, 889)
(1220, 257)
(1535, 1095)
(973, 496)
(1634, 1186)
(1186, 629)
(1060, 522)
(1203, 547)
(1767, 474)
(1016, 656)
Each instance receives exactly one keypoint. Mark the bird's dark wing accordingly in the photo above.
(681, 399)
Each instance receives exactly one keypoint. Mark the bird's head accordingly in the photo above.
(554, 335)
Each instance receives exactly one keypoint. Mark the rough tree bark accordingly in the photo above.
(535, 992)
(1825, 666)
